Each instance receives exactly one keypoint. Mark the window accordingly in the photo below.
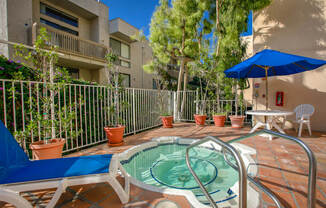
(154, 84)
(74, 73)
(59, 15)
(122, 50)
(116, 46)
(125, 51)
(125, 79)
(59, 27)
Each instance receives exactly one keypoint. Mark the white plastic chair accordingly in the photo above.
(302, 116)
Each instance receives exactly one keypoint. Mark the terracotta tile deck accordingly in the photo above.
(283, 167)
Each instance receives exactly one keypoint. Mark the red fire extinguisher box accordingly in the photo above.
(279, 99)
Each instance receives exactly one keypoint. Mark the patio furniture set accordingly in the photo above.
(302, 113)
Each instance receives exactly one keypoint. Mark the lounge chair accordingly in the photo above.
(19, 174)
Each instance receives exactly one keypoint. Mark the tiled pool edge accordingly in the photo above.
(244, 150)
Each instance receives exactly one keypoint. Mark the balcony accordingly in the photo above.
(73, 45)
(122, 30)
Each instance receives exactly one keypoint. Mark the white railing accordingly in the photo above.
(91, 104)
(229, 106)
(192, 106)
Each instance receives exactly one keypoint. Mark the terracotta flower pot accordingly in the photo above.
(167, 121)
(200, 119)
(51, 150)
(219, 120)
(237, 121)
(115, 135)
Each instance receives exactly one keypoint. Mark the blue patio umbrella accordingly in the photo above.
(267, 63)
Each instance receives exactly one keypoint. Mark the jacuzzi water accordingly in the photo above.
(165, 166)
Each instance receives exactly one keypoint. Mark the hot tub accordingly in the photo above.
(160, 166)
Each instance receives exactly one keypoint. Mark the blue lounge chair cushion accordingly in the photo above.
(57, 168)
(16, 167)
(10, 152)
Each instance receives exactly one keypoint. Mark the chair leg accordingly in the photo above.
(300, 130)
(309, 128)
(123, 193)
(14, 198)
(61, 188)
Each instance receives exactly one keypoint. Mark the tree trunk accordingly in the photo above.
(182, 65)
(116, 96)
(51, 72)
(44, 96)
(217, 25)
(217, 92)
(185, 81)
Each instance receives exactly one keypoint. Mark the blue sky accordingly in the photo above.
(136, 12)
(139, 12)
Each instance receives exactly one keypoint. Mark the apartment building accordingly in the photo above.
(83, 33)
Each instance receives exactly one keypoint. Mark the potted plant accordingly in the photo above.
(203, 69)
(219, 119)
(200, 118)
(167, 120)
(115, 131)
(164, 110)
(46, 117)
(238, 120)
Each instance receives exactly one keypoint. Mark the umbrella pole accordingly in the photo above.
(266, 96)
(266, 76)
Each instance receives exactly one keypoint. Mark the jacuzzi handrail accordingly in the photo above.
(240, 163)
(311, 203)
(257, 184)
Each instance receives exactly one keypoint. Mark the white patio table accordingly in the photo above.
(270, 121)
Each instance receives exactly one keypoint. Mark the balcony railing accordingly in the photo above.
(72, 44)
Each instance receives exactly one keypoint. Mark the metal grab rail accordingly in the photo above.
(311, 203)
(257, 184)
(240, 163)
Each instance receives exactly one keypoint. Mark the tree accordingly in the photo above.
(174, 35)
(114, 83)
(46, 115)
(231, 20)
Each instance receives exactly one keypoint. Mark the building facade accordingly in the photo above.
(297, 27)
(83, 33)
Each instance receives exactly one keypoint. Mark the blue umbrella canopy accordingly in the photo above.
(276, 63)
(269, 63)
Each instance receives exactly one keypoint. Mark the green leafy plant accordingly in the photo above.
(158, 70)
(231, 19)
(114, 84)
(219, 113)
(173, 37)
(46, 116)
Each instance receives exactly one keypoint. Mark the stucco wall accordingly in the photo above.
(3, 25)
(298, 27)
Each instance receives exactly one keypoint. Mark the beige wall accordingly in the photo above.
(3, 25)
(298, 27)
